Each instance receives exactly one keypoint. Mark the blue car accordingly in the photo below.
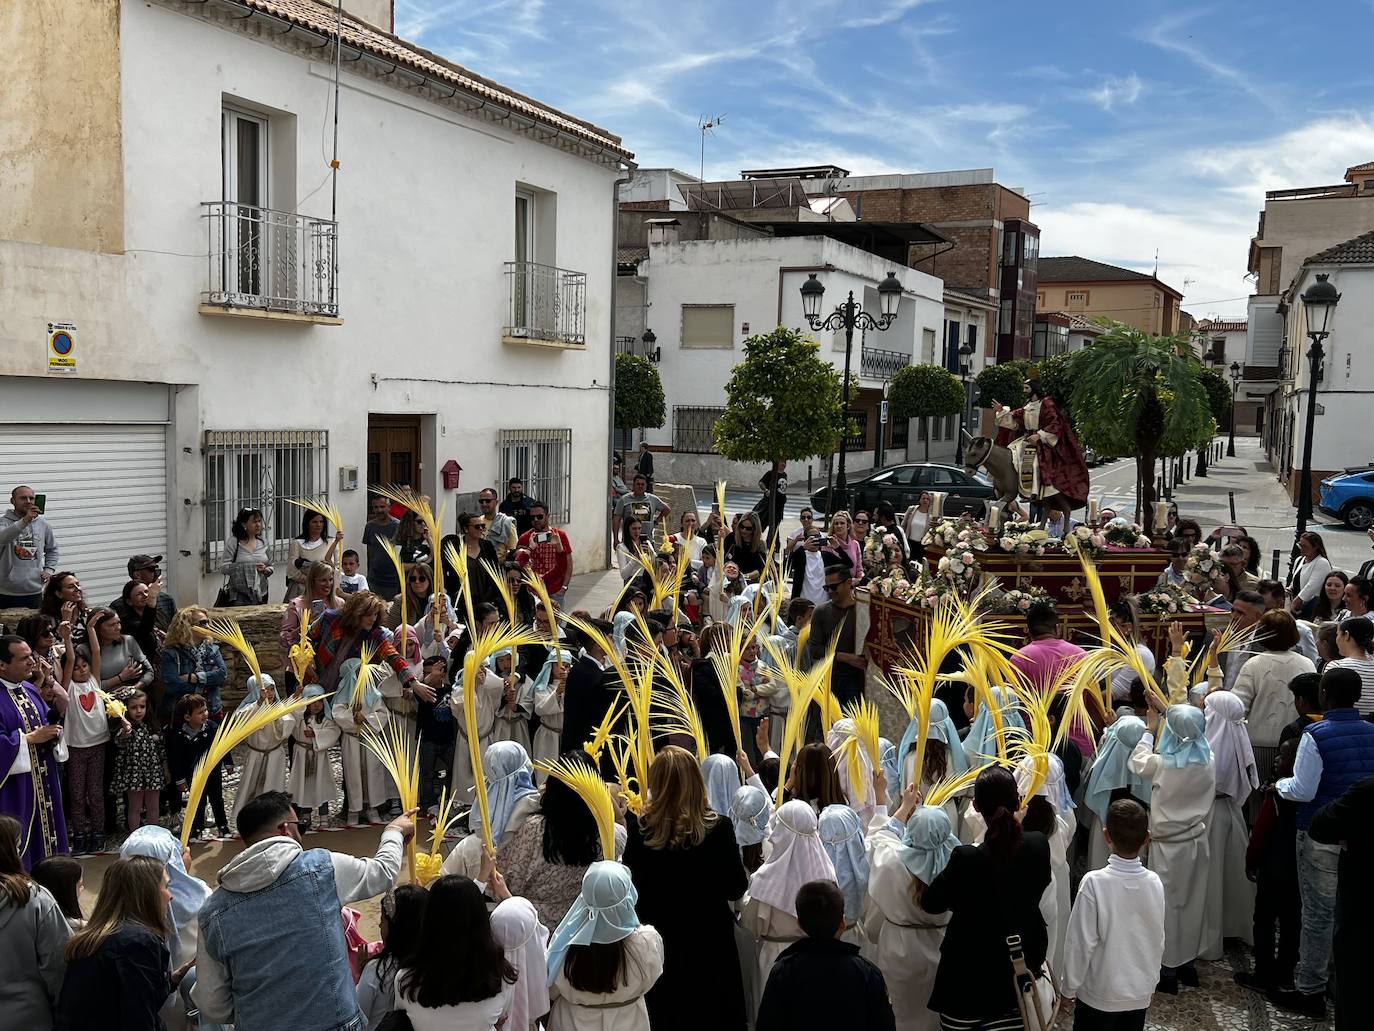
(1350, 497)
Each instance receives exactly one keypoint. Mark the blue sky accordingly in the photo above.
(1131, 127)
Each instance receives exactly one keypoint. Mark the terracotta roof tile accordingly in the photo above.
(320, 17)
(1074, 269)
(1359, 251)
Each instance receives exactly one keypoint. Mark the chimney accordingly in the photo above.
(662, 230)
(381, 13)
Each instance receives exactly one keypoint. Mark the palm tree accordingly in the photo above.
(1142, 396)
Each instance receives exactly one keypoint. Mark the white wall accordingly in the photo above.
(425, 211)
(762, 279)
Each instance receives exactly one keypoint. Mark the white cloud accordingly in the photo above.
(1169, 35)
(1310, 155)
(1113, 91)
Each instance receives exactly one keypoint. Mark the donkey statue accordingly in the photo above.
(981, 452)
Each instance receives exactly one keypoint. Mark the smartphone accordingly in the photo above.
(397, 510)
(543, 538)
(40, 502)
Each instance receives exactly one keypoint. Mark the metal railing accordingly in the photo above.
(858, 440)
(694, 429)
(876, 364)
(546, 303)
(636, 345)
(260, 469)
(271, 260)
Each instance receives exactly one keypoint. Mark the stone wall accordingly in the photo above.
(261, 627)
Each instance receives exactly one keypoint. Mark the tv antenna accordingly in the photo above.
(1187, 282)
(704, 126)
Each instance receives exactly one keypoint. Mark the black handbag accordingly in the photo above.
(224, 598)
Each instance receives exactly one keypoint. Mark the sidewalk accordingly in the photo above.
(1263, 508)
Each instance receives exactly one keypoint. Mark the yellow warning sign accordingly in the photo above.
(61, 348)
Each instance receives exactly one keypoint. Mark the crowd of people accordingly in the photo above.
(1159, 833)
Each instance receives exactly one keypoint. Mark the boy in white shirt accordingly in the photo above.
(1115, 940)
(352, 581)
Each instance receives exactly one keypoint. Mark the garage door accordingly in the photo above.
(106, 490)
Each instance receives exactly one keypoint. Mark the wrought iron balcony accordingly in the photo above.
(876, 364)
(267, 260)
(546, 303)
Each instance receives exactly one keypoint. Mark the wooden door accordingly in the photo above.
(393, 450)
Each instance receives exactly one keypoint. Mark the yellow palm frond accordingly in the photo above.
(865, 716)
(621, 748)
(227, 631)
(394, 554)
(603, 733)
(321, 507)
(952, 785)
(589, 787)
(370, 674)
(399, 753)
(678, 713)
(419, 504)
(498, 578)
(720, 506)
(236, 728)
(302, 653)
(535, 582)
(726, 664)
(455, 560)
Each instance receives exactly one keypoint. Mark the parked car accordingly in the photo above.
(1350, 497)
(901, 485)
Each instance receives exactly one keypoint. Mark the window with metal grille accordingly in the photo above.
(859, 438)
(543, 459)
(694, 428)
(261, 469)
(901, 429)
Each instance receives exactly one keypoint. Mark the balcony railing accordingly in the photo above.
(271, 260)
(875, 364)
(546, 303)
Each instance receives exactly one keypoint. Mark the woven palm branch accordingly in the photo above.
(227, 631)
(369, 675)
(233, 731)
(603, 733)
(302, 653)
(394, 553)
(430, 865)
(589, 787)
(395, 750)
(720, 502)
(620, 748)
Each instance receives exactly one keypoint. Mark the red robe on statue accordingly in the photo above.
(1058, 453)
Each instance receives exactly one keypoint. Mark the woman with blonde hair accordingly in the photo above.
(319, 584)
(687, 870)
(340, 633)
(118, 965)
(192, 664)
(844, 542)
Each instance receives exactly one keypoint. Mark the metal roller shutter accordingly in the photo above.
(106, 490)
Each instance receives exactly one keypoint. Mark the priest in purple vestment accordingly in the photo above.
(29, 787)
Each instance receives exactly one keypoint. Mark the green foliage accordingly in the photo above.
(782, 401)
(1001, 383)
(639, 397)
(1134, 394)
(919, 391)
(1056, 377)
(1218, 394)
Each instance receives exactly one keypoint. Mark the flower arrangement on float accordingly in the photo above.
(1203, 567)
(1022, 539)
(1168, 600)
(1122, 533)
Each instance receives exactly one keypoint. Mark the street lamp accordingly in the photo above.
(965, 363)
(650, 339)
(1235, 386)
(1319, 304)
(848, 315)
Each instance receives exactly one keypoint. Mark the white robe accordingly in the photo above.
(548, 706)
(1180, 803)
(907, 938)
(309, 792)
(466, 857)
(488, 697)
(513, 721)
(774, 930)
(264, 763)
(620, 1010)
(360, 767)
(1230, 894)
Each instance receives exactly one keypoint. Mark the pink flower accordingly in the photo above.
(968, 557)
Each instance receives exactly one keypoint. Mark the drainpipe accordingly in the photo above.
(606, 541)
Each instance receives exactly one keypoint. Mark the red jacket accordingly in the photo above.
(552, 566)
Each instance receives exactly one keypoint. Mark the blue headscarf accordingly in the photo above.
(506, 768)
(314, 691)
(750, 811)
(1183, 741)
(927, 843)
(1111, 771)
(541, 682)
(892, 770)
(602, 914)
(982, 736)
(253, 693)
(842, 836)
(188, 893)
(722, 781)
(348, 676)
(941, 729)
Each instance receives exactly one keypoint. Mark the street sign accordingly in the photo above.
(61, 348)
(882, 413)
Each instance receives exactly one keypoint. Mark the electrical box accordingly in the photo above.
(348, 477)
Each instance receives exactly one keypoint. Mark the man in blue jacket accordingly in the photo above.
(1333, 755)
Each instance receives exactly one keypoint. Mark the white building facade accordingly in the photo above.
(703, 298)
(250, 326)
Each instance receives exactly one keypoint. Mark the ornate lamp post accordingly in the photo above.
(965, 362)
(1235, 387)
(848, 315)
(1319, 304)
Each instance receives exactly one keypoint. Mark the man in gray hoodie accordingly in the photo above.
(28, 552)
(272, 952)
